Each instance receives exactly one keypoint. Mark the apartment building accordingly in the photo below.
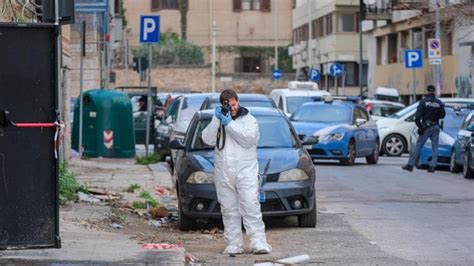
(411, 29)
(246, 30)
(327, 32)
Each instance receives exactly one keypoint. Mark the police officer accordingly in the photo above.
(430, 110)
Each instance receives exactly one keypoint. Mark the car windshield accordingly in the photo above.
(382, 109)
(294, 102)
(454, 118)
(323, 113)
(404, 111)
(247, 104)
(274, 133)
(190, 106)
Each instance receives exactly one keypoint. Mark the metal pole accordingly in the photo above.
(335, 85)
(81, 86)
(148, 100)
(126, 61)
(361, 67)
(275, 28)
(310, 64)
(414, 71)
(58, 69)
(213, 63)
(438, 67)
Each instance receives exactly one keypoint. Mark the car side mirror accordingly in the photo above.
(470, 128)
(310, 140)
(176, 144)
(360, 121)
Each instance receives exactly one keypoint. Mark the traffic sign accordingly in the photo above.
(149, 29)
(314, 74)
(434, 48)
(276, 74)
(336, 70)
(414, 58)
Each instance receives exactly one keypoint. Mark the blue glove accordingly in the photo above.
(225, 119)
(218, 112)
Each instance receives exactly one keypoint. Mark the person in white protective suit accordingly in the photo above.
(236, 175)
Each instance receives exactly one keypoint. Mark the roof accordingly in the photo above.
(383, 102)
(335, 102)
(289, 92)
(245, 96)
(255, 111)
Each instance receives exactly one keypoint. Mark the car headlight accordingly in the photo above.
(333, 136)
(381, 129)
(164, 130)
(200, 177)
(293, 175)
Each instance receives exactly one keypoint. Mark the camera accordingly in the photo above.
(225, 108)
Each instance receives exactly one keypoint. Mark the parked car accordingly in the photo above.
(468, 165)
(387, 94)
(343, 131)
(177, 119)
(245, 99)
(395, 130)
(451, 124)
(297, 93)
(379, 109)
(286, 169)
(139, 118)
(462, 143)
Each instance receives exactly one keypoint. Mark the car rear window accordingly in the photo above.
(381, 109)
(323, 113)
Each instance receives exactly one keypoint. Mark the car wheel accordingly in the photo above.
(374, 157)
(394, 145)
(453, 167)
(185, 223)
(309, 219)
(351, 154)
(467, 171)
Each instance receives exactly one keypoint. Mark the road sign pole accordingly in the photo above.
(81, 82)
(335, 86)
(140, 71)
(148, 100)
(414, 87)
(437, 67)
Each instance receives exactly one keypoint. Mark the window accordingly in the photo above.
(164, 4)
(392, 48)
(350, 71)
(347, 23)
(328, 24)
(251, 64)
(262, 5)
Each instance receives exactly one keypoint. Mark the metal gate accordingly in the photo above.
(28, 168)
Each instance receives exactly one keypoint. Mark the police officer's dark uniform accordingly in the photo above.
(430, 110)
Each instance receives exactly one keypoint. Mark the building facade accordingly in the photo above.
(246, 30)
(411, 29)
(327, 32)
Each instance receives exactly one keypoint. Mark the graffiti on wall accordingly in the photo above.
(463, 86)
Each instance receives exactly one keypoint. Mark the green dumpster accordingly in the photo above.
(107, 125)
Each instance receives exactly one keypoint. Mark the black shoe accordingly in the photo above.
(408, 167)
(431, 169)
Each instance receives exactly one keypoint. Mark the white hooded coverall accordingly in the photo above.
(236, 181)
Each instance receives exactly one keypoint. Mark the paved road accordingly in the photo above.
(417, 217)
(374, 214)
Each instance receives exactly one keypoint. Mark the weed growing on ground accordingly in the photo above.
(132, 188)
(68, 186)
(150, 159)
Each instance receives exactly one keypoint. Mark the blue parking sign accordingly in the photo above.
(314, 74)
(413, 58)
(149, 29)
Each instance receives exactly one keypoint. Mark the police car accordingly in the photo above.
(297, 93)
(342, 129)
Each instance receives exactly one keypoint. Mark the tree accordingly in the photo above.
(183, 11)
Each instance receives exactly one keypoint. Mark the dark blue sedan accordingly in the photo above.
(287, 174)
(461, 158)
(343, 131)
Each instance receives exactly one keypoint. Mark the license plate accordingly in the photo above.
(261, 196)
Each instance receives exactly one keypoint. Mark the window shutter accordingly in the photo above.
(155, 5)
(237, 5)
(237, 64)
(265, 5)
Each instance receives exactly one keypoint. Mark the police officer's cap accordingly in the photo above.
(431, 88)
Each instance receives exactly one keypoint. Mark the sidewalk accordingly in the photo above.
(85, 228)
